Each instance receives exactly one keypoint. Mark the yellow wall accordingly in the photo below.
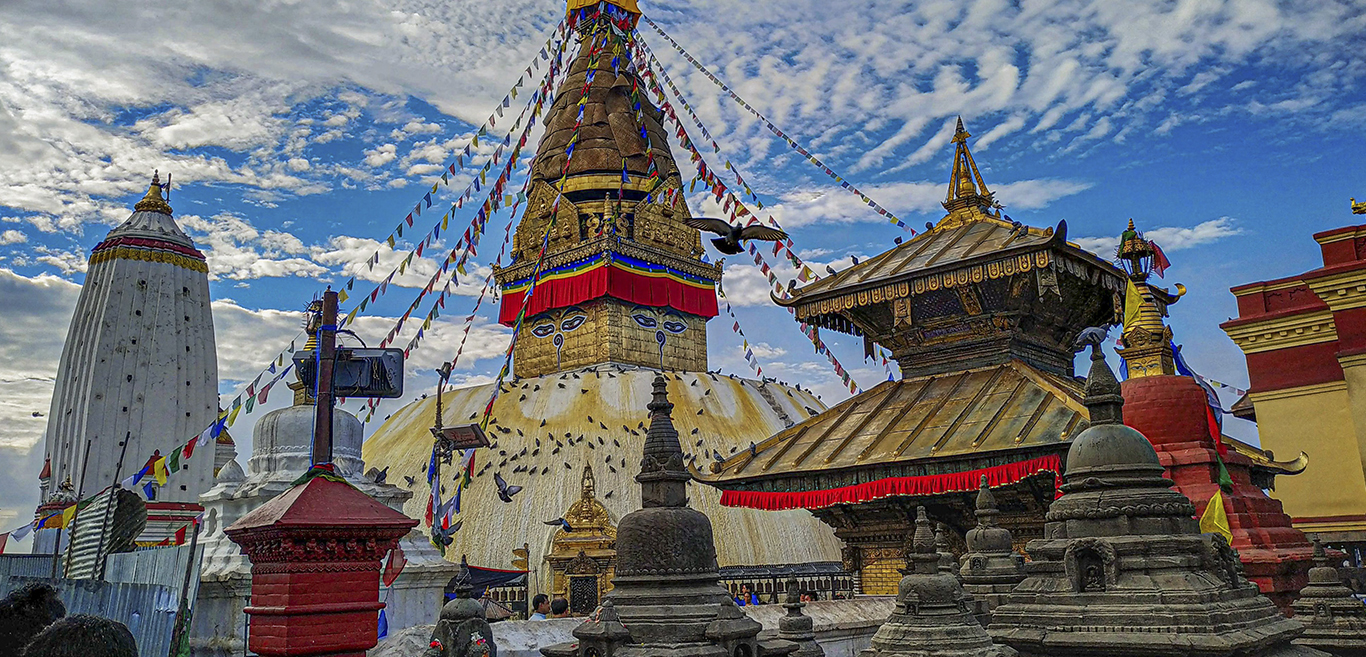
(1317, 420)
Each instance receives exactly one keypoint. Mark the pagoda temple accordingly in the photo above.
(623, 291)
(981, 312)
(1173, 411)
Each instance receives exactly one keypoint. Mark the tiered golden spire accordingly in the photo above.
(153, 201)
(1147, 340)
(967, 190)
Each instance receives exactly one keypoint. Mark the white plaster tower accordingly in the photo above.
(139, 361)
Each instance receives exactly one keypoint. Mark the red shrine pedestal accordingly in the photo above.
(1171, 412)
(315, 552)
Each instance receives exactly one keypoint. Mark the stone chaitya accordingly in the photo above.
(990, 568)
(1123, 568)
(797, 627)
(667, 600)
(932, 616)
(1335, 620)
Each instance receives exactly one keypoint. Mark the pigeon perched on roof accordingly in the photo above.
(732, 235)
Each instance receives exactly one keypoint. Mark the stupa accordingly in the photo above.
(139, 364)
(991, 568)
(932, 616)
(796, 626)
(1123, 569)
(1173, 411)
(1335, 621)
(624, 292)
(667, 600)
(281, 445)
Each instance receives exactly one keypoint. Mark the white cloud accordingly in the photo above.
(236, 250)
(839, 206)
(1170, 238)
(13, 237)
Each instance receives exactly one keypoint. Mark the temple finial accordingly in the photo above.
(967, 191)
(153, 201)
(662, 473)
(589, 485)
(1103, 400)
(923, 542)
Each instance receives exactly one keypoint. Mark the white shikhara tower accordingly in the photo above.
(139, 361)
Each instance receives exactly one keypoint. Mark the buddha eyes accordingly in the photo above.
(675, 327)
(572, 323)
(543, 330)
(645, 321)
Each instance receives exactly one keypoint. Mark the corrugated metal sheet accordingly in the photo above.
(142, 590)
(149, 610)
(87, 535)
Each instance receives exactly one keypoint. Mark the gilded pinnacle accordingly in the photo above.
(153, 201)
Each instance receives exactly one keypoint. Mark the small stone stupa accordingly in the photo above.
(796, 626)
(931, 618)
(667, 600)
(1123, 568)
(990, 568)
(1335, 620)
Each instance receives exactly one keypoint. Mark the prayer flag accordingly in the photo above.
(1133, 300)
(1215, 520)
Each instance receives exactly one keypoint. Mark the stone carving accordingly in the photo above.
(1335, 620)
(1140, 582)
(461, 630)
(931, 618)
(990, 568)
(666, 599)
(796, 626)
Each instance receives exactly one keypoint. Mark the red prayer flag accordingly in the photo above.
(180, 536)
(1160, 262)
(394, 566)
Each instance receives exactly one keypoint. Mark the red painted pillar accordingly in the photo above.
(315, 562)
(1170, 411)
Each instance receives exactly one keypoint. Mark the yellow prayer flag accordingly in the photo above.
(67, 515)
(1132, 301)
(1215, 520)
(433, 188)
(232, 417)
(342, 296)
(159, 469)
(461, 268)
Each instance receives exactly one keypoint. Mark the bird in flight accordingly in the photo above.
(559, 522)
(732, 235)
(505, 492)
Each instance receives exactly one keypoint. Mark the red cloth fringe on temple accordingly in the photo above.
(955, 482)
(613, 282)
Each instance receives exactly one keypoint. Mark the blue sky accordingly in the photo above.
(300, 133)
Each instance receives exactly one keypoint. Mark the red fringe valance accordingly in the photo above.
(609, 281)
(954, 482)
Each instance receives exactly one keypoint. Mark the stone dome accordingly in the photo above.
(987, 537)
(1110, 450)
(647, 540)
(283, 441)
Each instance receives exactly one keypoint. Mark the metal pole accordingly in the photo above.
(100, 550)
(80, 495)
(327, 353)
(182, 620)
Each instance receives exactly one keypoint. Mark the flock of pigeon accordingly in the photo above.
(499, 458)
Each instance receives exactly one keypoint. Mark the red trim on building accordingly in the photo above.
(611, 282)
(1321, 519)
(1292, 367)
(953, 482)
(144, 243)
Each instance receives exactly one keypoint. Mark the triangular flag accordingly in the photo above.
(1133, 300)
(1215, 520)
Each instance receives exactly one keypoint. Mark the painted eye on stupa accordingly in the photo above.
(572, 322)
(645, 321)
(674, 327)
(543, 330)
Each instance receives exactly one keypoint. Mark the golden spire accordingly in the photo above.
(1358, 208)
(967, 190)
(153, 201)
(1147, 340)
(589, 485)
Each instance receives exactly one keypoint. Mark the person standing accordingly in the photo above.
(540, 605)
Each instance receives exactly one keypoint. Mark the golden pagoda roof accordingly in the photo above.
(961, 415)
